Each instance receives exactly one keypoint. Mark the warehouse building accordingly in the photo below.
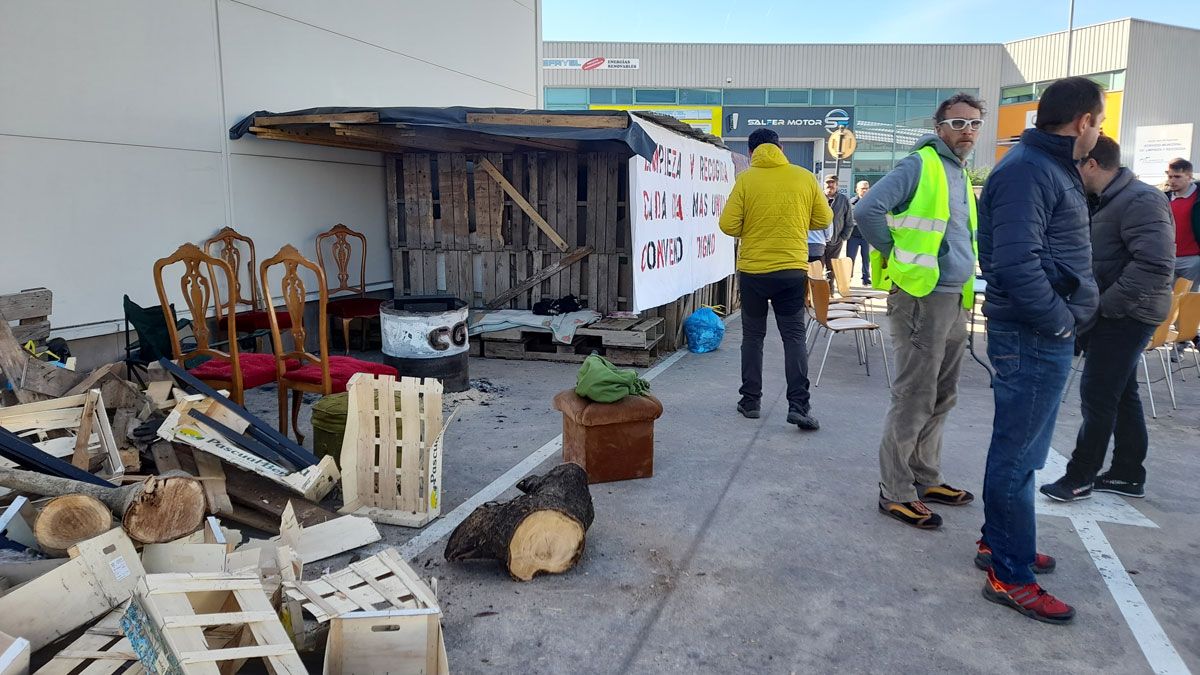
(887, 93)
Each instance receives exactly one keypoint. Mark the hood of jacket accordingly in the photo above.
(768, 156)
(939, 145)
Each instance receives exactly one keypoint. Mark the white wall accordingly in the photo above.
(113, 134)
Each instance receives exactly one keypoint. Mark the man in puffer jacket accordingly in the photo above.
(1036, 256)
(1133, 255)
(772, 207)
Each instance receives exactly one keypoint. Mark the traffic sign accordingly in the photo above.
(842, 143)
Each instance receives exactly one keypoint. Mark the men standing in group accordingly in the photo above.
(1185, 207)
(839, 230)
(773, 207)
(1133, 258)
(856, 244)
(1036, 256)
(925, 257)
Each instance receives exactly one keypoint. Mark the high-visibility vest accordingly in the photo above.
(917, 234)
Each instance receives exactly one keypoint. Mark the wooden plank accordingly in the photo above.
(561, 286)
(162, 558)
(38, 332)
(410, 444)
(429, 260)
(523, 204)
(533, 167)
(100, 576)
(614, 277)
(382, 408)
(466, 276)
(503, 273)
(383, 642)
(546, 273)
(330, 118)
(81, 457)
(521, 273)
(544, 120)
(408, 193)
(325, 540)
(458, 201)
(34, 303)
(424, 193)
(212, 471)
(594, 274)
(393, 202)
(14, 655)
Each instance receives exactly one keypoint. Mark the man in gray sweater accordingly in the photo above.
(1133, 258)
(920, 219)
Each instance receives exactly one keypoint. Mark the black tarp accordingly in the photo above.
(632, 136)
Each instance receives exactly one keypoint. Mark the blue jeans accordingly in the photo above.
(1031, 372)
(857, 247)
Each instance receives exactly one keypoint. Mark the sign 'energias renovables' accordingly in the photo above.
(595, 63)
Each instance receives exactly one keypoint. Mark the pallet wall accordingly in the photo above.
(453, 230)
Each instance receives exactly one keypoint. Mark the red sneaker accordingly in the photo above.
(1029, 599)
(1042, 563)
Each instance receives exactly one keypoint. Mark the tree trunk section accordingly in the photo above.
(157, 510)
(542, 530)
(65, 521)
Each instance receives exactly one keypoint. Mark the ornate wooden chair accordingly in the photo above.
(230, 370)
(346, 309)
(323, 374)
(228, 245)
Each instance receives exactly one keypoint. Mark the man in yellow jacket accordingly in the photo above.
(771, 209)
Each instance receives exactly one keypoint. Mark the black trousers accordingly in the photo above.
(784, 291)
(1108, 395)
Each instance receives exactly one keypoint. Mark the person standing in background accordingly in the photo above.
(839, 230)
(773, 209)
(1133, 258)
(1185, 207)
(1035, 250)
(856, 244)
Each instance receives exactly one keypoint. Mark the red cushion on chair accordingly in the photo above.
(353, 308)
(341, 369)
(257, 370)
(259, 320)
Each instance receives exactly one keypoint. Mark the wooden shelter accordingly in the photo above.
(503, 208)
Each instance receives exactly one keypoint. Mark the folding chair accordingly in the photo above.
(820, 296)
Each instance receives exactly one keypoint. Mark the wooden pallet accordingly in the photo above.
(170, 615)
(393, 475)
(382, 582)
(637, 333)
(102, 650)
(540, 347)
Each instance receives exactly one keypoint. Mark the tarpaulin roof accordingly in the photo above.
(463, 129)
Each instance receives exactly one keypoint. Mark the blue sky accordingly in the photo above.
(954, 21)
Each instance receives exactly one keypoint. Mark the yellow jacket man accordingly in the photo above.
(771, 209)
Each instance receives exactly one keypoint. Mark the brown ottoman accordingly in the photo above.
(611, 441)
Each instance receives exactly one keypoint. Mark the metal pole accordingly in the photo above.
(1070, 35)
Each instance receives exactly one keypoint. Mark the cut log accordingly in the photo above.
(156, 510)
(65, 521)
(542, 530)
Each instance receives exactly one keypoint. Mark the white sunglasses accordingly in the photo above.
(958, 123)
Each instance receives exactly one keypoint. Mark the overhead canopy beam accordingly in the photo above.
(573, 121)
(344, 118)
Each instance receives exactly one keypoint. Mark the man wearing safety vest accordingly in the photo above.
(920, 222)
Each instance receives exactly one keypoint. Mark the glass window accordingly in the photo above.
(944, 94)
(841, 97)
(1017, 94)
(700, 96)
(821, 96)
(1102, 79)
(606, 96)
(788, 96)
(1118, 81)
(927, 97)
(558, 96)
(876, 97)
(878, 114)
(745, 97)
(566, 106)
(654, 96)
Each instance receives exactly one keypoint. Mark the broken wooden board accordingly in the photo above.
(325, 540)
(34, 421)
(313, 483)
(166, 625)
(31, 379)
(181, 558)
(391, 641)
(14, 655)
(382, 582)
(101, 650)
(101, 575)
(390, 479)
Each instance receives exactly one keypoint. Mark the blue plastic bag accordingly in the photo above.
(704, 330)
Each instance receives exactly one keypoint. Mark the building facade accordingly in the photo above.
(885, 93)
(114, 144)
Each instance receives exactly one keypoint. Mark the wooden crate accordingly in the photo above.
(103, 649)
(170, 615)
(388, 477)
(31, 310)
(382, 582)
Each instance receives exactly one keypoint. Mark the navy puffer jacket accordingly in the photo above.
(1034, 243)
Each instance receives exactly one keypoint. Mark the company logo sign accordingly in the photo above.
(788, 122)
(594, 63)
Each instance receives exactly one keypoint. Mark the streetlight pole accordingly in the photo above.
(1070, 35)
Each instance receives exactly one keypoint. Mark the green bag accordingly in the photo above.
(601, 381)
